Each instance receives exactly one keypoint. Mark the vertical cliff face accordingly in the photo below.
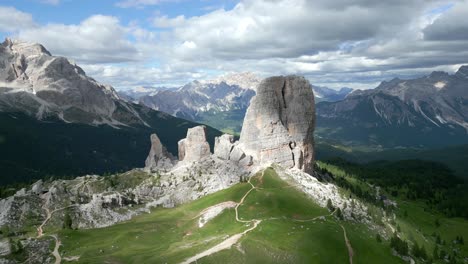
(195, 146)
(158, 157)
(280, 122)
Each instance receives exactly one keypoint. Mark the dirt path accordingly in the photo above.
(242, 201)
(58, 258)
(348, 245)
(40, 231)
(228, 243)
(226, 204)
(313, 219)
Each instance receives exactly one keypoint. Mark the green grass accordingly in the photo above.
(172, 235)
(419, 226)
(415, 222)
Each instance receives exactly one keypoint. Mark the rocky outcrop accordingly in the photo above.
(279, 124)
(5, 247)
(226, 149)
(223, 146)
(158, 157)
(195, 146)
(34, 82)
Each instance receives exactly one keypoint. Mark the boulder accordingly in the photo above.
(195, 146)
(37, 187)
(223, 146)
(279, 123)
(5, 247)
(226, 149)
(158, 156)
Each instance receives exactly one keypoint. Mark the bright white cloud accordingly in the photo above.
(333, 43)
(96, 39)
(12, 19)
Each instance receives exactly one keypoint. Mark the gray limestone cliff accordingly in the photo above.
(158, 157)
(195, 146)
(279, 124)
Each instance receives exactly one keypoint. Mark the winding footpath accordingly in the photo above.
(229, 242)
(348, 245)
(40, 231)
(55, 253)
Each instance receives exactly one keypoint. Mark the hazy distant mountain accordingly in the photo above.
(428, 111)
(220, 102)
(56, 120)
(134, 94)
(330, 95)
(196, 97)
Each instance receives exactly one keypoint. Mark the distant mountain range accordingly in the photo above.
(221, 102)
(430, 111)
(424, 112)
(325, 94)
(57, 121)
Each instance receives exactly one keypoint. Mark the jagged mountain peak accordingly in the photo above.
(462, 72)
(25, 48)
(34, 82)
(245, 80)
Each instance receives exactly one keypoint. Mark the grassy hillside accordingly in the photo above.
(419, 221)
(273, 222)
(291, 231)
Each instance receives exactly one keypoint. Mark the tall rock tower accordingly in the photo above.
(279, 123)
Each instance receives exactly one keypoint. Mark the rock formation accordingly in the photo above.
(158, 157)
(195, 146)
(41, 85)
(279, 124)
(226, 149)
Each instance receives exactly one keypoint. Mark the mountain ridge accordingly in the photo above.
(427, 111)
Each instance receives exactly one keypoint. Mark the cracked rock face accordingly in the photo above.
(195, 146)
(226, 149)
(158, 157)
(279, 123)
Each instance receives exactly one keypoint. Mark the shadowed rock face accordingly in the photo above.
(280, 122)
(158, 157)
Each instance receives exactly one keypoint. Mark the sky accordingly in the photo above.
(340, 43)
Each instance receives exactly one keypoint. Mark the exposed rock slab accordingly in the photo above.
(226, 149)
(158, 157)
(279, 124)
(195, 146)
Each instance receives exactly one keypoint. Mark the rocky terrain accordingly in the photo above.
(93, 201)
(428, 111)
(41, 85)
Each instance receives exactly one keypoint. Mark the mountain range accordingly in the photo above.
(430, 111)
(220, 102)
(57, 121)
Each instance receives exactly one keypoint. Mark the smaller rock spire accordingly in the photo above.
(195, 146)
(158, 157)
